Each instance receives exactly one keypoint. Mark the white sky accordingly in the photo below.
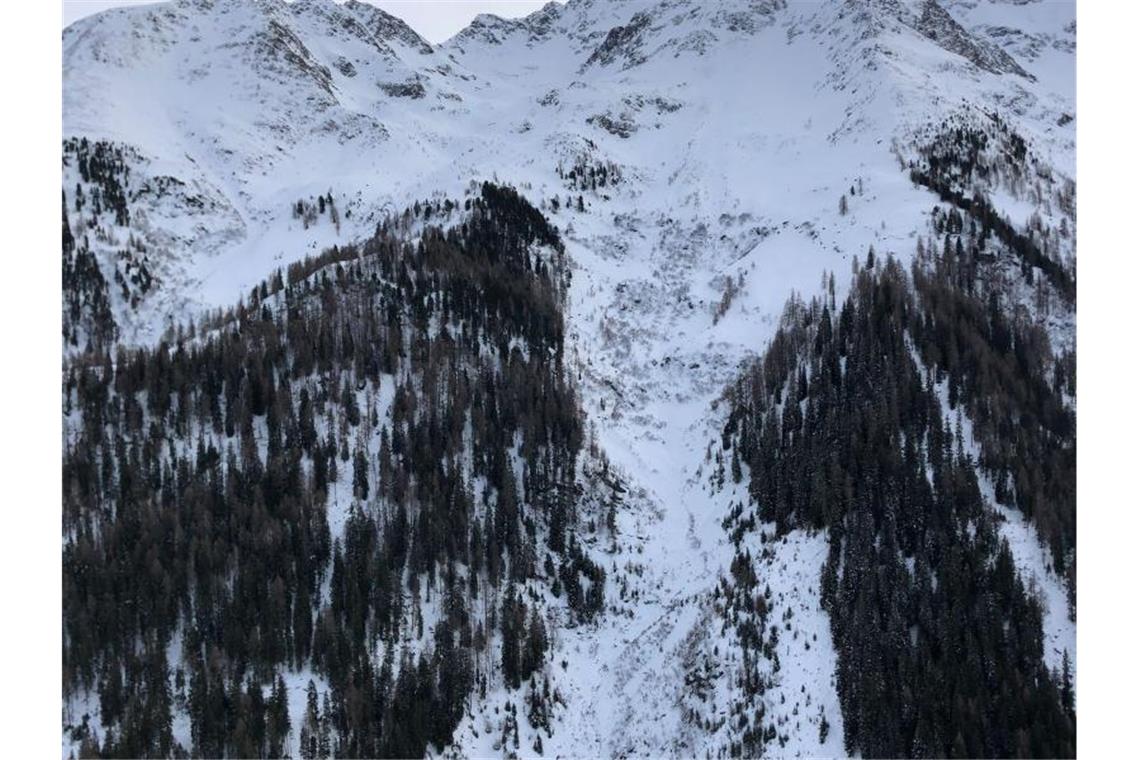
(435, 20)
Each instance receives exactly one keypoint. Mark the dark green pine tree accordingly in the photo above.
(1067, 696)
(510, 629)
(360, 475)
(278, 727)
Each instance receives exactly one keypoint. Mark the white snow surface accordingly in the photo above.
(736, 125)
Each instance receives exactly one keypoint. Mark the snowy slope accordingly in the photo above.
(267, 102)
(729, 130)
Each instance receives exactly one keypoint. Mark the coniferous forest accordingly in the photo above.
(842, 427)
(410, 399)
(414, 392)
(893, 421)
(367, 475)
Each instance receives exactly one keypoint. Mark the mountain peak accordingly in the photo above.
(388, 27)
(936, 23)
(931, 20)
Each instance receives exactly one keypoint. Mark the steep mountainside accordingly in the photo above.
(683, 168)
(254, 105)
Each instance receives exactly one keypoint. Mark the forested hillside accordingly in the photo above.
(365, 457)
(852, 424)
(367, 474)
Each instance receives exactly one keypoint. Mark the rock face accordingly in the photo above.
(692, 156)
(939, 26)
(622, 42)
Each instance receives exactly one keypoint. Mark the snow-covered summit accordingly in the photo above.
(252, 97)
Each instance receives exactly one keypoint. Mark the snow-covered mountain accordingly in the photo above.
(258, 104)
(693, 155)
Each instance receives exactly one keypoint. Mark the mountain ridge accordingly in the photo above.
(314, 87)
